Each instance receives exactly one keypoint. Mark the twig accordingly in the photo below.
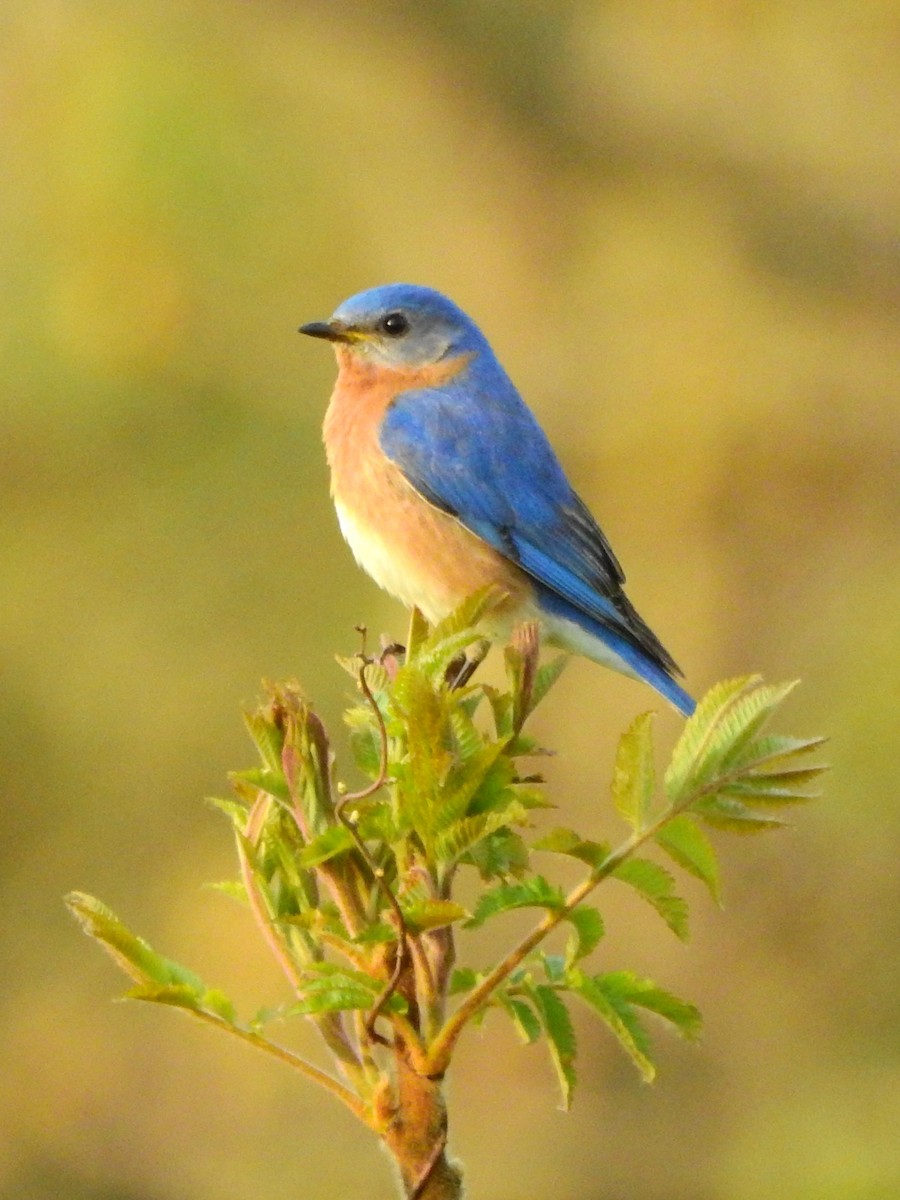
(330, 1025)
(403, 952)
(254, 898)
(443, 1045)
(332, 1085)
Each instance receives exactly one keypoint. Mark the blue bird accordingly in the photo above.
(444, 483)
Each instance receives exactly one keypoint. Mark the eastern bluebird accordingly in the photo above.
(444, 483)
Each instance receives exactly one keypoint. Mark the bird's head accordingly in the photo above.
(400, 325)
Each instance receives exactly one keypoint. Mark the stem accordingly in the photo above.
(349, 823)
(442, 1047)
(329, 1025)
(417, 1135)
(332, 1085)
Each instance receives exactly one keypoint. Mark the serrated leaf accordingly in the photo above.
(619, 1017)
(588, 931)
(525, 1021)
(685, 842)
(535, 892)
(418, 631)
(725, 812)
(545, 677)
(267, 738)
(634, 775)
(747, 716)
(468, 742)
(655, 885)
(775, 748)
(557, 1024)
(247, 784)
(694, 741)
(759, 793)
(456, 632)
(499, 855)
(465, 836)
(501, 710)
(645, 994)
(336, 839)
(567, 841)
(463, 979)
(461, 794)
(717, 743)
(328, 987)
(135, 956)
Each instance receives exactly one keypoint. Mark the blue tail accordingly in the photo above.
(619, 651)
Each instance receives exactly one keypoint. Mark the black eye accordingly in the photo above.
(394, 324)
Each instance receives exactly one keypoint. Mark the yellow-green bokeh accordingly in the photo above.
(680, 227)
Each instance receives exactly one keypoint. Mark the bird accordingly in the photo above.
(444, 483)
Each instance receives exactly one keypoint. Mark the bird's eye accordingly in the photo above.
(394, 324)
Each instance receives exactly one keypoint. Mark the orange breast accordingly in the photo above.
(410, 548)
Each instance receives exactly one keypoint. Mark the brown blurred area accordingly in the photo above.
(680, 227)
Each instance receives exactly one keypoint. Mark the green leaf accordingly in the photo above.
(525, 1021)
(545, 677)
(465, 836)
(216, 1002)
(645, 994)
(746, 717)
(557, 1024)
(235, 810)
(763, 793)
(421, 913)
(499, 855)
(234, 888)
(328, 987)
(567, 841)
(136, 958)
(466, 781)
(533, 892)
(725, 812)
(655, 885)
(554, 967)
(267, 737)
(693, 746)
(175, 995)
(616, 995)
(588, 930)
(619, 1016)
(456, 632)
(419, 629)
(463, 979)
(685, 842)
(775, 748)
(720, 735)
(634, 776)
(336, 839)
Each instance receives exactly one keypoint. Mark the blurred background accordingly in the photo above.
(679, 224)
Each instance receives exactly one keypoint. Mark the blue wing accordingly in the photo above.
(473, 449)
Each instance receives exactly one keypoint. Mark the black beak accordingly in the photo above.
(329, 330)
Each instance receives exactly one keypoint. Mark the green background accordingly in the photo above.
(679, 224)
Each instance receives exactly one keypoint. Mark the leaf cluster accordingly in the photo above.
(353, 891)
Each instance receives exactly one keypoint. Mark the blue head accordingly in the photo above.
(401, 325)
